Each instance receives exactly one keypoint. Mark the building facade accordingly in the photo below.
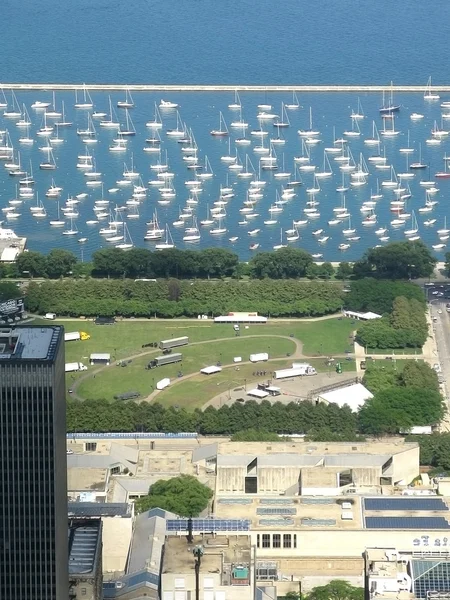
(33, 477)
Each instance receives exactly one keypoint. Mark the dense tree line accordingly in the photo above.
(174, 298)
(370, 294)
(405, 327)
(401, 400)
(397, 260)
(434, 450)
(304, 417)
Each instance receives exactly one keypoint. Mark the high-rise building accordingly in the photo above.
(33, 478)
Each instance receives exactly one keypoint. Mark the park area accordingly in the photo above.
(209, 344)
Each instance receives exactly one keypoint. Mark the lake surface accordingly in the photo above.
(201, 42)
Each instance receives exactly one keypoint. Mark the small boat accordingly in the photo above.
(438, 246)
(82, 240)
(429, 94)
(416, 116)
(233, 239)
(223, 129)
(254, 246)
(317, 256)
(167, 104)
(236, 105)
(86, 103)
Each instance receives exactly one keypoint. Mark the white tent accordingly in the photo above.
(211, 370)
(353, 395)
(257, 393)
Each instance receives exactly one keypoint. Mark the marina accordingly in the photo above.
(333, 172)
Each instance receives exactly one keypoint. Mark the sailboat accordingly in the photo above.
(63, 122)
(156, 123)
(419, 164)
(128, 102)
(193, 233)
(375, 139)
(444, 231)
(49, 164)
(414, 227)
(359, 114)
(280, 245)
(349, 230)
(127, 242)
(219, 230)
(72, 230)
(58, 222)
(284, 118)
(110, 123)
(53, 113)
(327, 171)
(309, 133)
(167, 244)
(15, 112)
(223, 129)
(87, 100)
(389, 107)
(429, 94)
(208, 172)
(236, 105)
(292, 235)
(129, 126)
(294, 104)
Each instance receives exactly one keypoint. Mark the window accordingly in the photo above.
(266, 540)
(295, 540)
(257, 541)
(276, 540)
(91, 446)
(287, 542)
(83, 591)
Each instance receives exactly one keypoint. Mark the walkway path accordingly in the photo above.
(223, 88)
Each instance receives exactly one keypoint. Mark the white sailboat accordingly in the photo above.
(429, 94)
(86, 103)
(167, 244)
(72, 230)
(127, 242)
(128, 102)
(280, 245)
(236, 105)
(57, 222)
(294, 104)
(223, 129)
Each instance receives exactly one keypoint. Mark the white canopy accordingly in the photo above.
(211, 370)
(257, 393)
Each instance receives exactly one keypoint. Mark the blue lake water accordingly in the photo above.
(235, 43)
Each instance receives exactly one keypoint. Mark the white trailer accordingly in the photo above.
(74, 366)
(72, 336)
(295, 371)
(261, 356)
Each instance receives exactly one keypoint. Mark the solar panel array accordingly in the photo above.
(276, 522)
(318, 522)
(276, 510)
(272, 501)
(209, 524)
(318, 501)
(235, 501)
(407, 523)
(423, 503)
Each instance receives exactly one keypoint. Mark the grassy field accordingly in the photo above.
(134, 377)
(196, 391)
(124, 339)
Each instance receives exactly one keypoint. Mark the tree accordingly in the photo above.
(401, 260)
(419, 374)
(344, 271)
(31, 263)
(60, 262)
(183, 495)
(370, 294)
(395, 409)
(337, 589)
(9, 291)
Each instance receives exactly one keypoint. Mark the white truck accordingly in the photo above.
(50, 316)
(261, 356)
(74, 366)
(297, 370)
(72, 336)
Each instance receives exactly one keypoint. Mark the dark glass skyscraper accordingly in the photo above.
(33, 474)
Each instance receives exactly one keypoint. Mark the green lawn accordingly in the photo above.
(125, 339)
(134, 377)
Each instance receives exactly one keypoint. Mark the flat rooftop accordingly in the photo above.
(29, 343)
(178, 557)
(84, 545)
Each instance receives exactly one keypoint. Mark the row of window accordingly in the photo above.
(274, 540)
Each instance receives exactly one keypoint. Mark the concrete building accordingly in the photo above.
(85, 559)
(117, 527)
(224, 564)
(33, 477)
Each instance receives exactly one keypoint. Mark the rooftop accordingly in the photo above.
(29, 343)
(353, 395)
(99, 509)
(84, 545)
(80, 479)
(178, 556)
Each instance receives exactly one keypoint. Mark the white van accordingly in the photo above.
(50, 316)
